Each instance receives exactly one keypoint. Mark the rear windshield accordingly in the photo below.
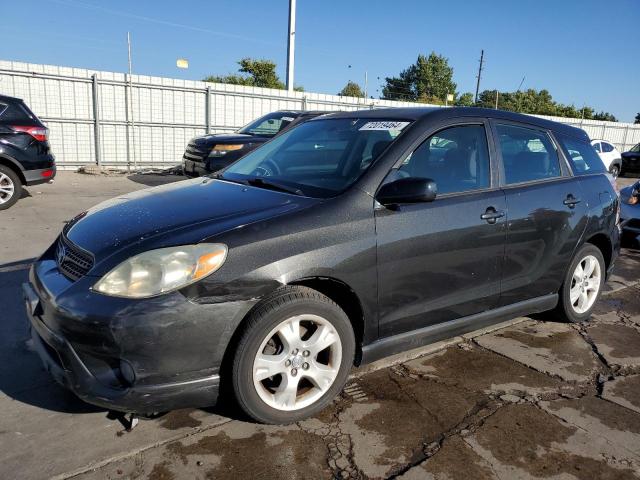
(583, 157)
(321, 157)
(17, 112)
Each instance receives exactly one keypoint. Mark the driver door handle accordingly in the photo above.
(571, 201)
(491, 215)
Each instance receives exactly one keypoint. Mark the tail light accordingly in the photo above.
(39, 133)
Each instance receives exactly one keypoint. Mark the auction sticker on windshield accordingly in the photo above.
(387, 126)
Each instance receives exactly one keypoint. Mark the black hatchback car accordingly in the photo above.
(25, 155)
(210, 153)
(348, 238)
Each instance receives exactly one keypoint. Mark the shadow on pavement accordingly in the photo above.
(153, 179)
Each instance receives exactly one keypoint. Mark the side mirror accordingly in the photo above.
(407, 190)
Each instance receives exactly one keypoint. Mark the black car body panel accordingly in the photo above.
(197, 160)
(406, 274)
(30, 158)
(631, 160)
(630, 211)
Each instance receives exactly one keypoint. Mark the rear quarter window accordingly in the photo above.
(582, 156)
(17, 113)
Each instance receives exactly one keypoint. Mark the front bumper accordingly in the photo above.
(174, 346)
(192, 169)
(630, 218)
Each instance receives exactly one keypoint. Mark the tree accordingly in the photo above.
(351, 89)
(428, 80)
(637, 120)
(539, 103)
(464, 100)
(259, 73)
(605, 116)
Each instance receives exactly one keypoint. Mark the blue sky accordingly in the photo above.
(582, 51)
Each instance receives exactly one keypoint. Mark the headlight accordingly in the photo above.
(222, 149)
(159, 271)
(633, 197)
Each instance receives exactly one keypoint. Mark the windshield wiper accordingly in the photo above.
(218, 176)
(270, 184)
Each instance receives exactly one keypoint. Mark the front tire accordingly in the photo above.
(615, 170)
(293, 357)
(582, 285)
(10, 187)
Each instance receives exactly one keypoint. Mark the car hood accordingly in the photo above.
(180, 213)
(210, 140)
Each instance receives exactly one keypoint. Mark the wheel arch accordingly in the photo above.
(13, 165)
(346, 298)
(603, 243)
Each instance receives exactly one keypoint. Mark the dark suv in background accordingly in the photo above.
(210, 153)
(25, 155)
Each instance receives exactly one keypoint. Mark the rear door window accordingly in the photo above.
(528, 155)
(596, 146)
(607, 147)
(582, 156)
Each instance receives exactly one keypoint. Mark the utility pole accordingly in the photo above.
(291, 44)
(130, 109)
(497, 98)
(366, 84)
(479, 74)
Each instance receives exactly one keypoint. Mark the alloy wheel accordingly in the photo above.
(7, 188)
(297, 362)
(585, 284)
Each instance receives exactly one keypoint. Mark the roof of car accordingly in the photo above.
(6, 98)
(418, 113)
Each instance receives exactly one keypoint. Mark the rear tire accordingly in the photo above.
(10, 187)
(293, 356)
(582, 284)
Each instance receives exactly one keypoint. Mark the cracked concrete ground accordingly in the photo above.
(533, 399)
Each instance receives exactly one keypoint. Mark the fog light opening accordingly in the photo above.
(127, 372)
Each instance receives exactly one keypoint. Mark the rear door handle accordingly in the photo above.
(491, 215)
(571, 201)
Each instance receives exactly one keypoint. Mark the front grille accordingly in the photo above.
(73, 262)
(195, 153)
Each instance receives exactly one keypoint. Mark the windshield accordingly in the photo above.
(320, 158)
(635, 149)
(269, 125)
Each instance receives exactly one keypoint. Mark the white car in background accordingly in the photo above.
(610, 156)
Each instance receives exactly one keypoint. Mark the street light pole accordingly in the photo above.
(291, 44)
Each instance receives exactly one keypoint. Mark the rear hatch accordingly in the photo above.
(21, 127)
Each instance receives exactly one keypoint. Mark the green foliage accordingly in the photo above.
(258, 73)
(637, 120)
(351, 89)
(464, 100)
(428, 80)
(538, 102)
